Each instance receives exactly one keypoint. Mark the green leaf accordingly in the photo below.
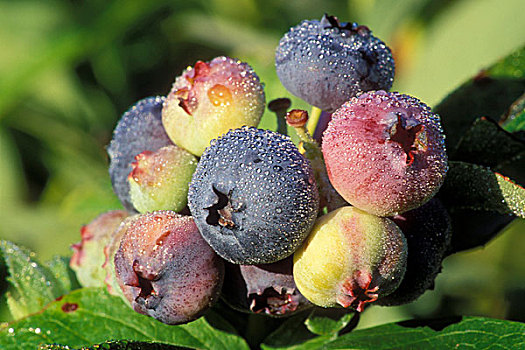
(470, 186)
(311, 331)
(517, 123)
(486, 143)
(321, 323)
(514, 119)
(91, 316)
(461, 333)
(489, 94)
(511, 66)
(34, 285)
(293, 334)
(59, 267)
(116, 345)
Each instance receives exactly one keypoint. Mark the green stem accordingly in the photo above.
(313, 119)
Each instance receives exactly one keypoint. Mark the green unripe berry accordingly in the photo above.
(159, 180)
(349, 259)
(209, 99)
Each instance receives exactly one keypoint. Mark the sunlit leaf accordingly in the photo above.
(59, 268)
(466, 332)
(33, 285)
(117, 345)
(470, 186)
(92, 316)
(322, 323)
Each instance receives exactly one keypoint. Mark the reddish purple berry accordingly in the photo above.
(385, 152)
(166, 269)
(267, 289)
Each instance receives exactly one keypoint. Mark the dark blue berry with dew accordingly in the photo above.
(253, 196)
(327, 62)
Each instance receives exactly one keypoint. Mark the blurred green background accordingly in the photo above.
(70, 68)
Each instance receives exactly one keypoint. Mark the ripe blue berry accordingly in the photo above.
(327, 62)
(253, 196)
(140, 129)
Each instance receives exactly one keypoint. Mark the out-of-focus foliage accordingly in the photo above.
(69, 69)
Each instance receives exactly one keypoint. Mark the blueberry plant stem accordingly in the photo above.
(310, 148)
(281, 124)
(313, 119)
(280, 107)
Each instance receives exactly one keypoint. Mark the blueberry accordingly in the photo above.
(159, 180)
(326, 62)
(350, 259)
(385, 152)
(140, 129)
(253, 196)
(166, 270)
(428, 233)
(110, 249)
(267, 289)
(88, 256)
(211, 98)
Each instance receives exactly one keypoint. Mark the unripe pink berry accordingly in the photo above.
(385, 152)
(88, 256)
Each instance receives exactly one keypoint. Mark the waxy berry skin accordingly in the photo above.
(159, 180)
(350, 259)
(428, 233)
(253, 196)
(88, 256)
(140, 129)
(110, 280)
(165, 268)
(211, 98)
(267, 289)
(385, 152)
(326, 62)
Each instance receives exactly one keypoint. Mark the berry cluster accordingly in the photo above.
(218, 208)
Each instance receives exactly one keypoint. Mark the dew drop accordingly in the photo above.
(220, 95)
